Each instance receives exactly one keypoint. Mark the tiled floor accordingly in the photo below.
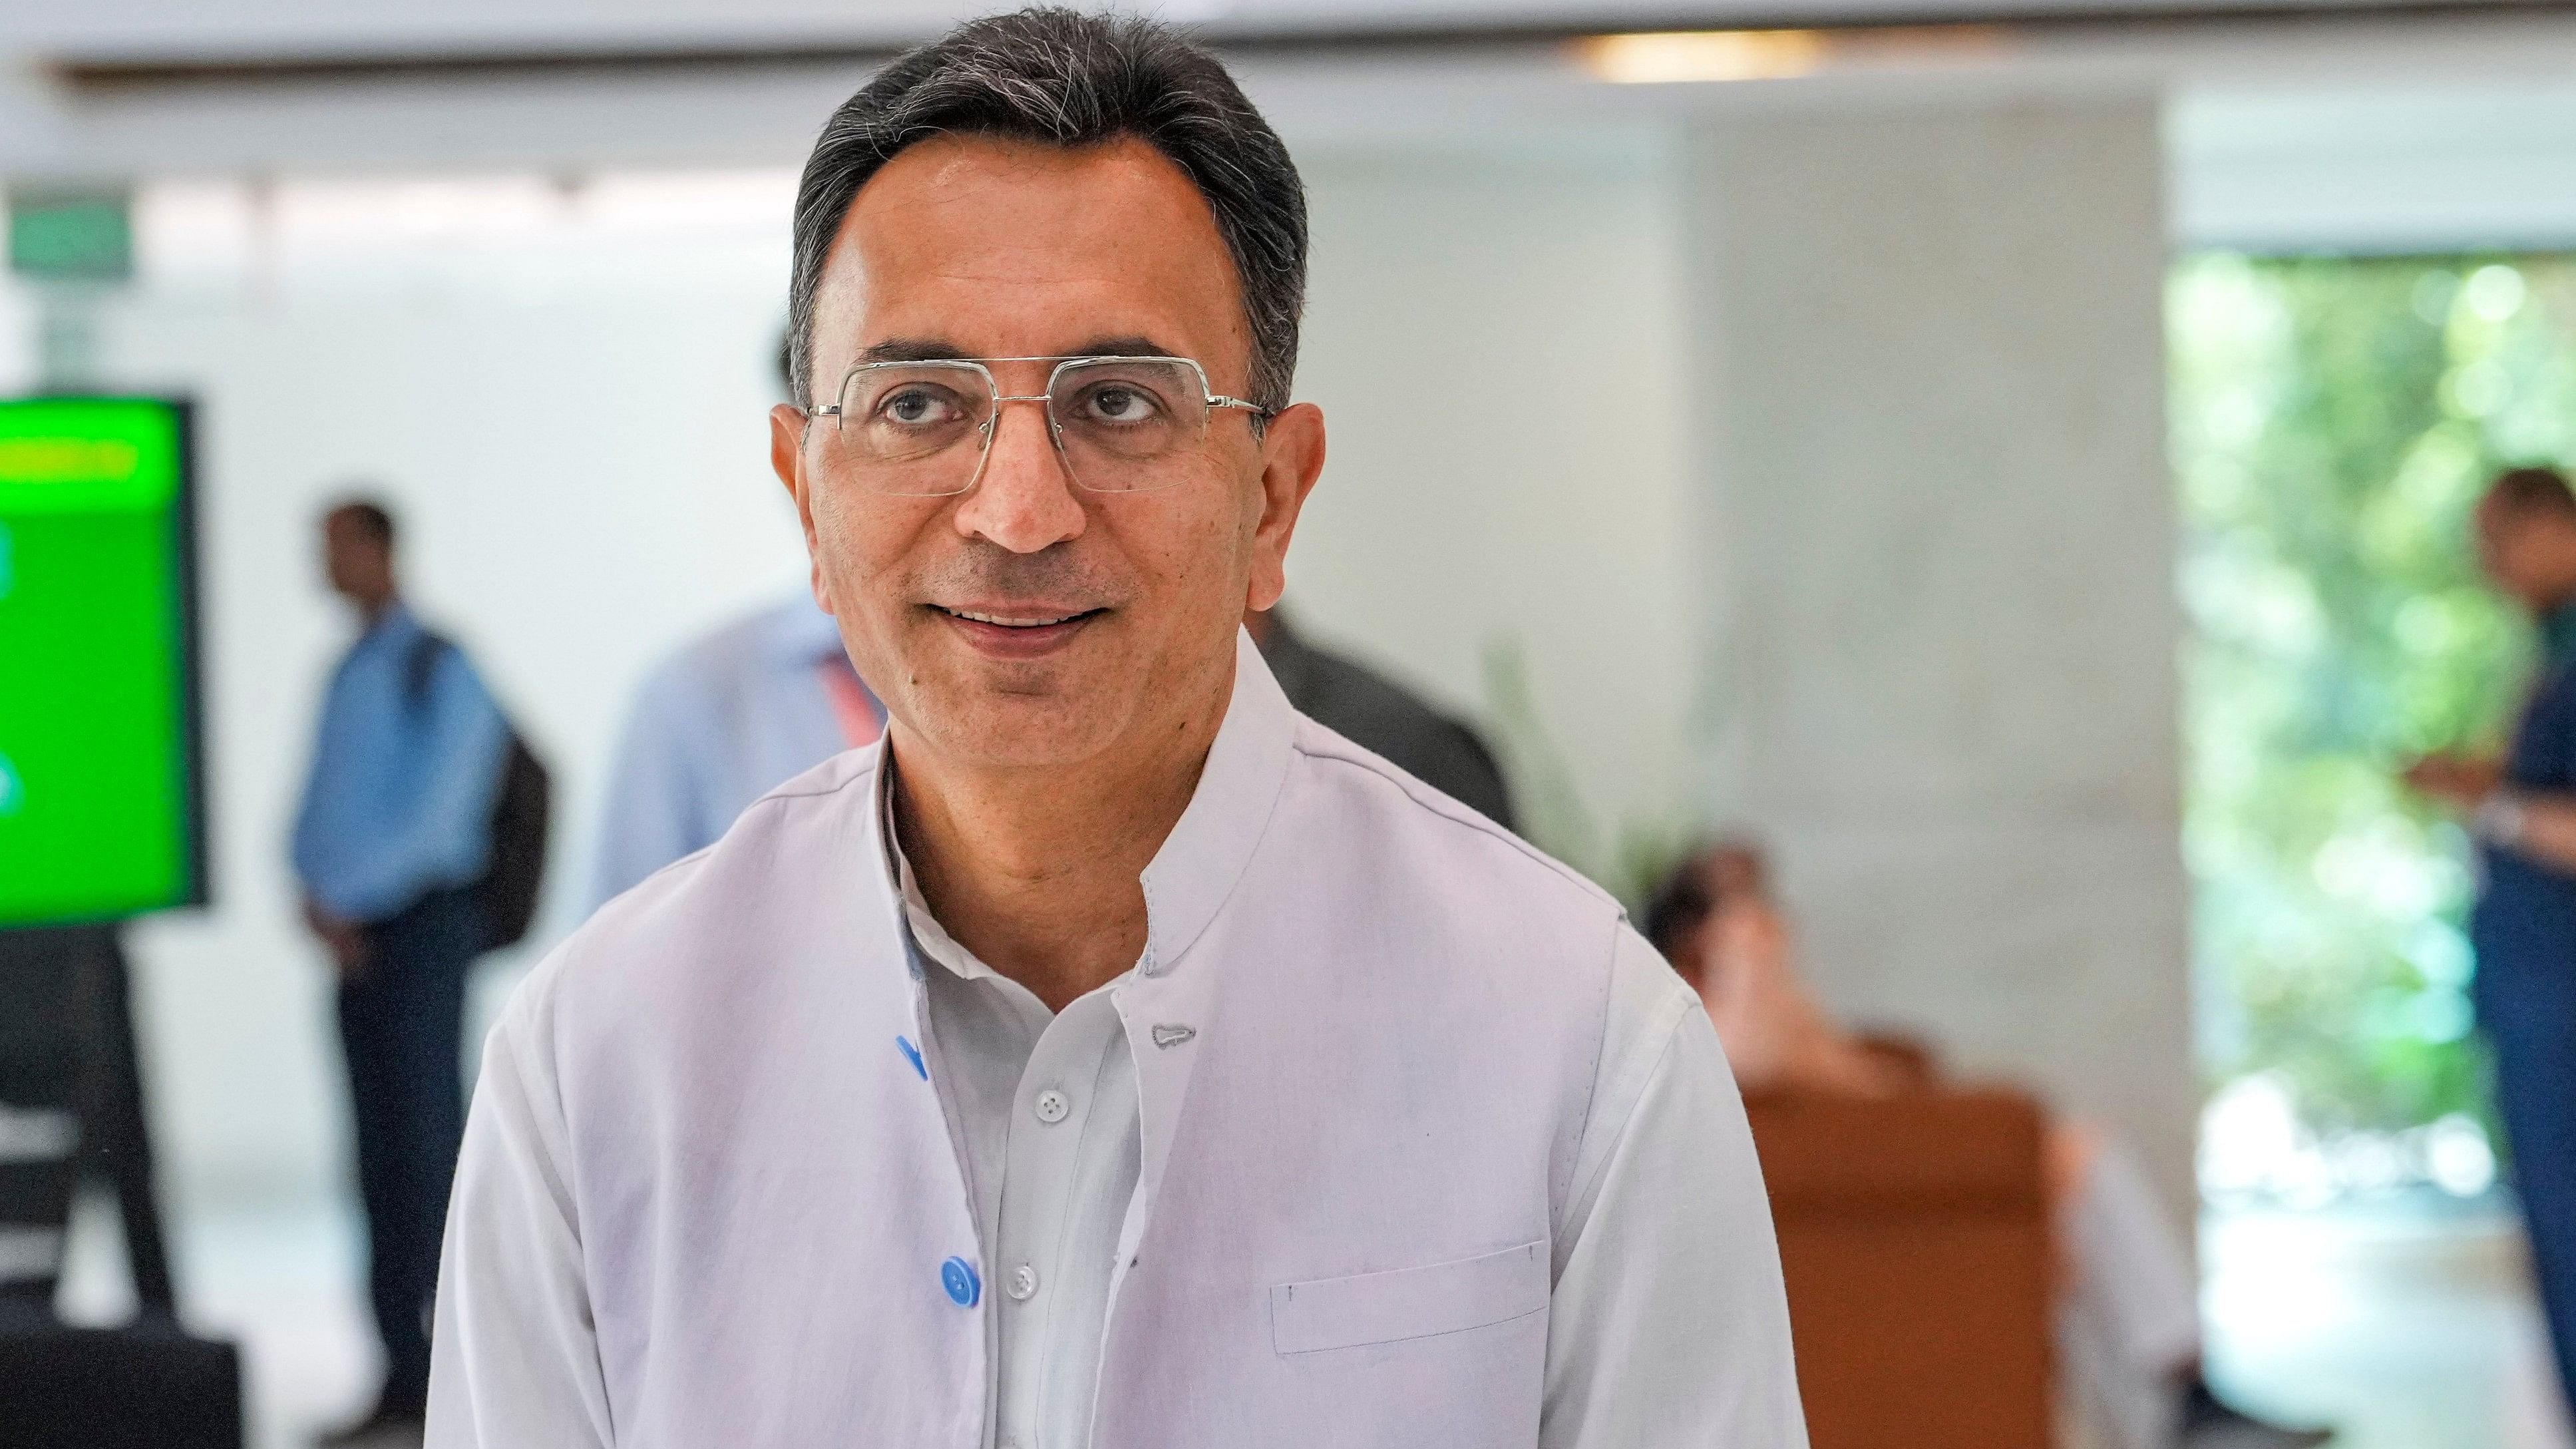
(2412, 1327)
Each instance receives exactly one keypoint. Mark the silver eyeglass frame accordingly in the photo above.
(1055, 429)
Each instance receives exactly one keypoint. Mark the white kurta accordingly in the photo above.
(1369, 1148)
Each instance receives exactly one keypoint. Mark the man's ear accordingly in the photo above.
(1292, 458)
(787, 460)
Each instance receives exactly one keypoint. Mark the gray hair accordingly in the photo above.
(1063, 78)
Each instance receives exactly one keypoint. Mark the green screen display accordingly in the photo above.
(98, 789)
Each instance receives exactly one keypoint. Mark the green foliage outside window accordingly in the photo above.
(2334, 421)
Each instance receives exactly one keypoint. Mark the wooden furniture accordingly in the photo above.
(1914, 1235)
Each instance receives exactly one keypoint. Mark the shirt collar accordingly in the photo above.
(2558, 636)
(391, 627)
(1196, 869)
(928, 935)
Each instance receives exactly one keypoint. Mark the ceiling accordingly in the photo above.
(183, 31)
(2293, 127)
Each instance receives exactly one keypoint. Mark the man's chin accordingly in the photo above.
(1022, 719)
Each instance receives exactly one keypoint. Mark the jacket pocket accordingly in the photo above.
(1407, 1303)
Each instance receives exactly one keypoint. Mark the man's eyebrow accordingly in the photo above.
(924, 349)
(913, 349)
(1123, 347)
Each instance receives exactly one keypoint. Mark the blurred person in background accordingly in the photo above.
(2129, 1308)
(1376, 713)
(724, 720)
(394, 832)
(2521, 810)
(1106, 1055)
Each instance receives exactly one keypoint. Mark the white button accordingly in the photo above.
(1052, 1105)
(1023, 1282)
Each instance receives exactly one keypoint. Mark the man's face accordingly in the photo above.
(1030, 621)
(354, 560)
(2529, 553)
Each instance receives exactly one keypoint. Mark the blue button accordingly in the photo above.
(958, 1277)
(912, 1054)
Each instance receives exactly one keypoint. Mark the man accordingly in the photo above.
(393, 833)
(724, 721)
(1378, 714)
(1109, 1057)
(2522, 811)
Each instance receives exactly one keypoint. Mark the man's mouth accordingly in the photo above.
(1018, 634)
(1015, 621)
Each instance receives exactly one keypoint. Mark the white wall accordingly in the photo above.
(564, 396)
(1496, 343)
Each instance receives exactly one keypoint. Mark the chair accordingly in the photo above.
(1914, 1237)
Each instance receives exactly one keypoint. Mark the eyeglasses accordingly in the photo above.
(924, 429)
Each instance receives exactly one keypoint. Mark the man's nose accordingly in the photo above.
(1024, 501)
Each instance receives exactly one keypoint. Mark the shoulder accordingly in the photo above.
(433, 661)
(2557, 691)
(687, 692)
(1350, 689)
(1447, 851)
(1456, 921)
(698, 917)
(1651, 1009)
(2546, 735)
(707, 661)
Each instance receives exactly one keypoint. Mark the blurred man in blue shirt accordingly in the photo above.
(394, 832)
(729, 718)
(2522, 810)
(733, 715)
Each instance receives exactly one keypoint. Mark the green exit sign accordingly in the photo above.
(70, 234)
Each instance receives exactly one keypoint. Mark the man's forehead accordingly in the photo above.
(980, 244)
(947, 173)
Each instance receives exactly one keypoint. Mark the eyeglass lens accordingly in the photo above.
(922, 429)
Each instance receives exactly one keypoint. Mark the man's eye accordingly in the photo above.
(914, 406)
(1121, 405)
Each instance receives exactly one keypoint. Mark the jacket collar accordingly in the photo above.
(1196, 870)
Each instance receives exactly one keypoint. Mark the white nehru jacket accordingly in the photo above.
(1396, 1134)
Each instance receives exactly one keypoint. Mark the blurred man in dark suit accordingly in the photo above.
(1382, 716)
